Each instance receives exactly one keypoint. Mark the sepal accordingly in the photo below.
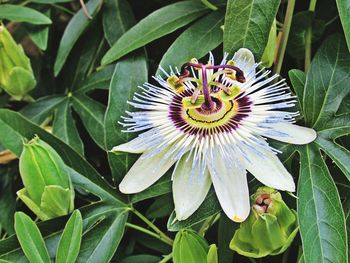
(269, 229)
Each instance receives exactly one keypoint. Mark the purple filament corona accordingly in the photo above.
(177, 114)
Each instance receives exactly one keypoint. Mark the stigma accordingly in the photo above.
(212, 84)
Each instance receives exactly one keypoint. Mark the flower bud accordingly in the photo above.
(16, 74)
(269, 229)
(48, 190)
(212, 256)
(189, 247)
(268, 56)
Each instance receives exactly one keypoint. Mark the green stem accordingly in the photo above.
(144, 230)
(206, 225)
(285, 256)
(160, 233)
(332, 20)
(24, 3)
(63, 9)
(209, 5)
(308, 39)
(99, 48)
(166, 258)
(285, 34)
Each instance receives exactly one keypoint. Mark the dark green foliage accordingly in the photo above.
(89, 60)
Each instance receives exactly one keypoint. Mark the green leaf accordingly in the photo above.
(7, 198)
(82, 58)
(327, 82)
(30, 238)
(39, 34)
(161, 207)
(298, 79)
(19, 13)
(117, 19)
(14, 128)
(344, 13)
(225, 233)
(76, 26)
(321, 218)
(52, 230)
(159, 23)
(196, 41)
(301, 22)
(97, 80)
(64, 127)
(91, 113)
(69, 244)
(161, 187)
(42, 108)
(141, 259)
(101, 242)
(344, 188)
(339, 154)
(320, 215)
(50, 1)
(122, 87)
(209, 207)
(325, 89)
(248, 23)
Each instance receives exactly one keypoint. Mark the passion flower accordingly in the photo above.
(210, 120)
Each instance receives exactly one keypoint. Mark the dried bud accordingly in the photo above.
(189, 247)
(16, 74)
(269, 229)
(47, 191)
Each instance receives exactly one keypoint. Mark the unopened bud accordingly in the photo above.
(48, 190)
(189, 247)
(16, 74)
(269, 229)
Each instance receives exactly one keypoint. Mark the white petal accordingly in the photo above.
(231, 186)
(268, 169)
(244, 59)
(145, 172)
(291, 133)
(190, 187)
(136, 145)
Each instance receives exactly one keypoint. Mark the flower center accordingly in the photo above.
(221, 113)
(206, 101)
(204, 83)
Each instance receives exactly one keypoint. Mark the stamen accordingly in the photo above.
(239, 73)
(208, 104)
(195, 96)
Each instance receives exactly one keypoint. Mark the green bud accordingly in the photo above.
(16, 74)
(189, 247)
(212, 256)
(48, 190)
(269, 229)
(268, 56)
